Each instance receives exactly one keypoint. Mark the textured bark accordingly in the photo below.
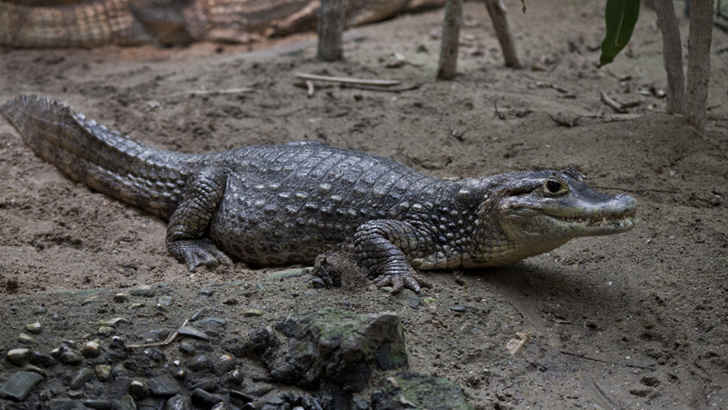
(671, 56)
(701, 32)
(330, 27)
(497, 12)
(448, 64)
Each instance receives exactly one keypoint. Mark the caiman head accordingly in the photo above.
(534, 212)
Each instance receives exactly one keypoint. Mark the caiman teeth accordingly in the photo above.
(617, 221)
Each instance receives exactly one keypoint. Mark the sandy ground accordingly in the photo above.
(630, 321)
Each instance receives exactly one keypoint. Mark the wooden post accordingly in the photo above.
(497, 12)
(330, 27)
(671, 56)
(701, 35)
(448, 64)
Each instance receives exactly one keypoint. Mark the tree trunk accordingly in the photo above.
(701, 34)
(450, 40)
(497, 12)
(330, 27)
(671, 56)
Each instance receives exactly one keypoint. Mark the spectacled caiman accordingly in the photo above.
(92, 23)
(274, 205)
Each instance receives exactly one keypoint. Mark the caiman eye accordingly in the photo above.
(554, 187)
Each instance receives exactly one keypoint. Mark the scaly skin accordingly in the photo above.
(284, 204)
(172, 22)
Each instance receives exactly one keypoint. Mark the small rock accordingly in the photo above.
(143, 291)
(98, 404)
(120, 298)
(18, 356)
(458, 308)
(164, 301)
(136, 305)
(34, 328)
(179, 374)
(202, 398)
(113, 321)
(26, 339)
(91, 349)
(207, 292)
(66, 355)
(230, 302)
(252, 313)
(138, 389)
(42, 359)
(105, 331)
(125, 403)
(641, 392)
(103, 372)
(650, 381)
(224, 364)
(178, 402)
(84, 374)
(192, 332)
(233, 378)
(163, 386)
(19, 385)
(200, 362)
(187, 348)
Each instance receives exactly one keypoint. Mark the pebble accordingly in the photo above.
(113, 321)
(75, 394)
(200, 362)
(105, 331)
(34, 327)
(82, 376)
(120, 298)
(143, 291)
(187, 348)
(224, 364)
(212, 322)
(207, 292)
(164, 301)
(66, 355)
(18, 356)
(230, 302)
(91, 349)
(103, 372)
(126, 403)
(203, 398)
(98, 404)
(252, 313)
(19, 385)
(458, 308)
(163, 386)
(179, 374)
(42, 359)
(192, 332)
(138, 389)
(233, 378)
(25, 338)
(178, 402)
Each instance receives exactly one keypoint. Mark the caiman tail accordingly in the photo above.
(145, 177)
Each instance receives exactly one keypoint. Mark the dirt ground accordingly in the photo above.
(637, 320)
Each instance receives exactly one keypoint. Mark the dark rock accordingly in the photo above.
(68, 356)
(143, 291)
(208, 384)
(98, 404)
(233, 378)
(150, 403)
(199, 363)
(178, 402)
(410, 390)
(203, 398)
(164, 386)
(19, 385)
(650, 381)
(82, 376)
(289, 399)
(155, 355)
(358, 403)
(64, 404)
(187, 348)
(224, 364)
(41, 359)
(138, 389)
(257, 343)
(341, 347)
(207, 292)
(458, 308)
(192, 332)
(212, 323)
(125, 403)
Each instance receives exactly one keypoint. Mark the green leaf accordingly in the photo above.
(621, 17)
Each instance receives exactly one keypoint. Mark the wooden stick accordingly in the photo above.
(347, 80)
(701, 35)
(450, 39)
(671, 56)
(330, 27)
(497, 12)
(617, 107)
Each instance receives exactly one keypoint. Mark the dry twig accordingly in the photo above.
(613, 104)
(347, 80)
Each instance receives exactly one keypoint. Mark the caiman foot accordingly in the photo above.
(198, 252)
(399, 281)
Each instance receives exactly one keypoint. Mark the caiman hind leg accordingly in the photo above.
(189, 223)
(380, 248)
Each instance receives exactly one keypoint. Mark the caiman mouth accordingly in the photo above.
(606, 223)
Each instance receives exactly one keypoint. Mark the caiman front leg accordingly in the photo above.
(380, 248)
(188, 225)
